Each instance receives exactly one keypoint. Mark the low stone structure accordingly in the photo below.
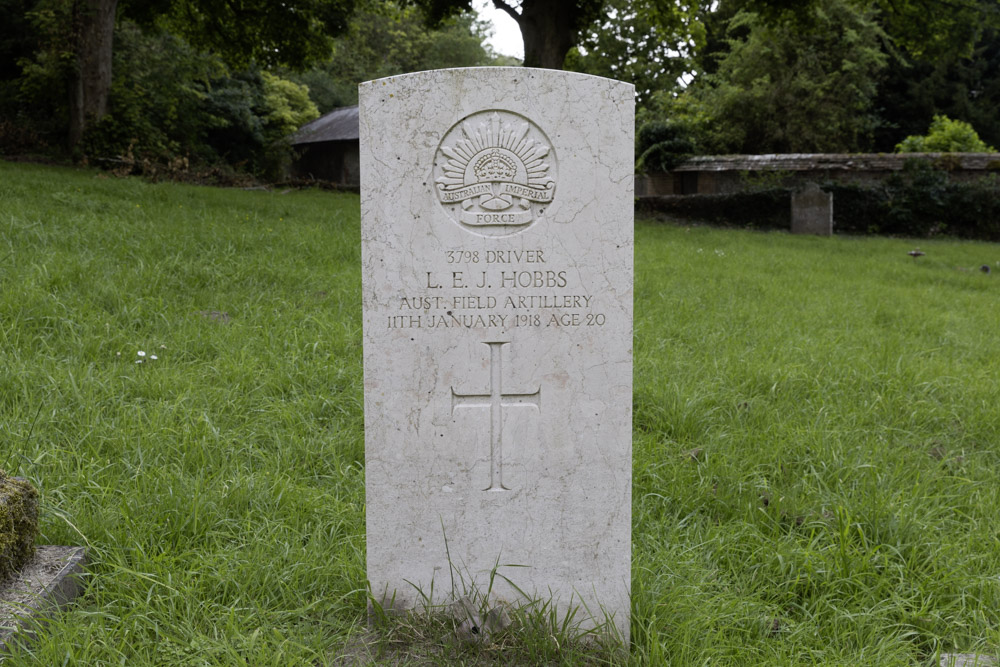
(51, 579)
(34, 581)
(812, 211)
(724, 174)
(327, 149)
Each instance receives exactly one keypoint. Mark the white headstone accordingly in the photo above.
(497, 270)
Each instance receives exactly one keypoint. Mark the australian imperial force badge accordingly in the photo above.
(495, 173)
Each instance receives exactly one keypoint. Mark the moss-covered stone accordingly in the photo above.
(18, 523)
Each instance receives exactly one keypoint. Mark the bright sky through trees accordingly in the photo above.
(506, 37)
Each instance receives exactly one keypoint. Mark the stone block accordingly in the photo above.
(812, 211)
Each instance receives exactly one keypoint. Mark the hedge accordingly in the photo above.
(918, 202)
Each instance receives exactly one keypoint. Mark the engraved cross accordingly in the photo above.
(496, 401)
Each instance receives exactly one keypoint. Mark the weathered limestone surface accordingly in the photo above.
(812, 211)
(966, 660)
(497, 245)
(50, 579)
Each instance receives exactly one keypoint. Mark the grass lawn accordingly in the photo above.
(817, 431)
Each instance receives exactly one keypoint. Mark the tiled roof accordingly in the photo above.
(838, 162)
(338, 125)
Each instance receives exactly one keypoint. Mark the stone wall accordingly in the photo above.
(727, 174)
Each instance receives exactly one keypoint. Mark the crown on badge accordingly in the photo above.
(495, 166)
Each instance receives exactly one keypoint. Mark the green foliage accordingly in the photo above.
(757, 209)
(637, 42)
(15, 37)
(788, 86)
(173, 101)
(662, 145)
(327, 89)
(250, 114)
(933, 30)
(42, 61)
(921, 202)
(291, 33)
(610, 35)
(945, 136)
(900, 62)
(924, 29)
(158, 94)
(287, 105)
(33, 60)
(50, 56)
(170, 100)
(914, 90)
(385, 39)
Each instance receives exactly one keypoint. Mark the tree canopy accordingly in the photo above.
(634, 41)
(921, 28)
(193, 76)
(834, 75)
(214, 82)
(912, 91)
(385, 39)
(73, 39)
(550, 28)
(291, 32)
(782, 86)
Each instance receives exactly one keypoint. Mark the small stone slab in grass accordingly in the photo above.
(967, 660)
(48, 581)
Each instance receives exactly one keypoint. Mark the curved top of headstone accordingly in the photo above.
(555, 74)
(506, 131)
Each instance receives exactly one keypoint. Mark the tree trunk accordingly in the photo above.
(90, 83)
(548, 28)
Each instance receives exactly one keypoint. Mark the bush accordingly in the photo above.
(251, 114)
(172, 105)
(159, 87)
(662, 145)
(761, 209)
(945, 136)
(920, 202)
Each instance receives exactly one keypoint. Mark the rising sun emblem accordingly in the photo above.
(495, 173)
